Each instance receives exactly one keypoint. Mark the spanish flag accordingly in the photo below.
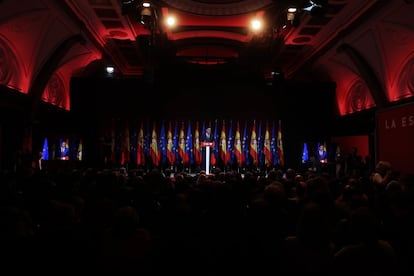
(223, 143)
(238, 147)
(140, 146)
(253, 145)
(181, 144)
(170, 145)
(154, 153)
(197, 148)
(266, 149)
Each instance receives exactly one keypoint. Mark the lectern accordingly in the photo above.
(207, 145)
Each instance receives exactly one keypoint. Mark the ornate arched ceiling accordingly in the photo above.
(377, 65)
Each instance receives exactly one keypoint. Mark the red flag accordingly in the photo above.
(140, 146)
(230, 150)
(197, 149)
(154, 153)
(223, 145)
(238, 147)
(170, 152)
(266, 149)
(280, 145)
(253, 145)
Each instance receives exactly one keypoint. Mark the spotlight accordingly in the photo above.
(256, 24)
(171, 21)
(292, 17)
(110, 69)
(145, 16)
(292, 10)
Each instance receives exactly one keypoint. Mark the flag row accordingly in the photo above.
(179, 143)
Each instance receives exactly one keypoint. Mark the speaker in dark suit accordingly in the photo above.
(206, 137)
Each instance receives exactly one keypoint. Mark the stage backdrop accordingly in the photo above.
(205, 97)
(395, 137)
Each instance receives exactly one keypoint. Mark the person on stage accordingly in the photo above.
(322, 155)
(206, 137)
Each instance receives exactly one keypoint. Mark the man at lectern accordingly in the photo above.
(206, 137)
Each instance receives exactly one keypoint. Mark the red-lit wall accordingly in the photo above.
(346, 143)
(395, 137)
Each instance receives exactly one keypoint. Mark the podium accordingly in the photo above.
(207, 145)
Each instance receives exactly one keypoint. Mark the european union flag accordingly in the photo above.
(175, 143)
(245, 147)
(162, 145)
(189, 154)
(305, 153)
(273, 147)
(203, 128)
(260, 145)
(214, 155)
(45, 150)
(230, 145)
